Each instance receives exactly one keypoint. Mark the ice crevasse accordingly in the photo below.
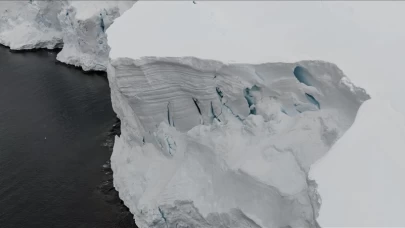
(211, 141)
(78, 27)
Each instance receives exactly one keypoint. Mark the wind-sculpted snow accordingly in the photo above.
(207, 144)
(78, 26)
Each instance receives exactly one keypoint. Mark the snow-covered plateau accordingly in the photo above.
(76, 26)
(208, 143)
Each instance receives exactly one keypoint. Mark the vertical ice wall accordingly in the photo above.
(207, 144)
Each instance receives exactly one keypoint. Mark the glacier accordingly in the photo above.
(78, 27)
(212, 135)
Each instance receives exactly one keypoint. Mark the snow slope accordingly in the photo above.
(207, 142)
(78, 26)
(366, 168)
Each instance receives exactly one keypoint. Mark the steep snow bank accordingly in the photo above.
(78, 26)
(361, 180)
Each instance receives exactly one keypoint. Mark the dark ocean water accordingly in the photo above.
(53, 122)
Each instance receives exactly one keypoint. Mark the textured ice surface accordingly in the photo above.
(361, 180)
(78, 26)
(192, 154)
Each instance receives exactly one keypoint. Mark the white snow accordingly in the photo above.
(361, 180)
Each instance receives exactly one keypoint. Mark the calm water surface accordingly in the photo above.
(53, 122)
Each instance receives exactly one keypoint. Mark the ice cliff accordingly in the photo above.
(210, 141)
(77, 26)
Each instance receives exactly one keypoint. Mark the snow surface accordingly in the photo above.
(78, 26)
(366, 169)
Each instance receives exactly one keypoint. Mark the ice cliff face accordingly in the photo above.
(77, 26)
(207, 144)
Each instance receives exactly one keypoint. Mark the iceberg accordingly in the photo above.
(78, 27)
(191, 153)
(212, 134)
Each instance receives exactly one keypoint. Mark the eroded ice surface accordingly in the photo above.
(78, 26)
